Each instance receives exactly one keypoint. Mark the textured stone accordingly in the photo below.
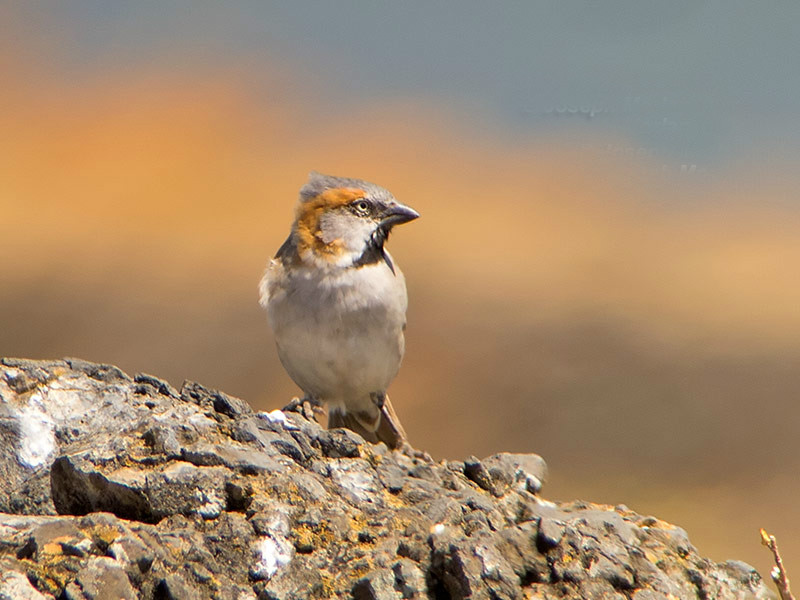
(525, 472)
(120, 487)
(377, 585)
(102, 577)
(409, 579)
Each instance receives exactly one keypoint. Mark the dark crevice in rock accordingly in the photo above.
(238, 497)
(162, 591)
(529, 577)
(27, 550)
(475, 471)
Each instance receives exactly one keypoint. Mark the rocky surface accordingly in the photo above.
(124, 487)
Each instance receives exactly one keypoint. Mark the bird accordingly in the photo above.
(336, 302)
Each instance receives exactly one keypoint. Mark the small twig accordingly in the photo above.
(778, 572)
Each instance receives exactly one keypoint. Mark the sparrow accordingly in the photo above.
(336, 302)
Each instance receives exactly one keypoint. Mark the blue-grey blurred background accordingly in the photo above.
(606, 268)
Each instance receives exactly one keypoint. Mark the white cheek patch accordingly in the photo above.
(353, 232)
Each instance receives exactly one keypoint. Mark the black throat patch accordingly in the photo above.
(374, 252)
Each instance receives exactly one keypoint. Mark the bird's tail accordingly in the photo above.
(386, 428)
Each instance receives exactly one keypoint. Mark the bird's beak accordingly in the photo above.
(397, 214)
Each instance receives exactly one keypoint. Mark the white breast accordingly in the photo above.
(340, 331)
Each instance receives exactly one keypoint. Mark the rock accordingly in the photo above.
(377, 585)
(550, 533)
(128, 488)
(409, 579)
(477, 472)
(101, 577)
(525, 472)
(15, 586)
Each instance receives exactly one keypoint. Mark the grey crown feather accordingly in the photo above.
(318, 183)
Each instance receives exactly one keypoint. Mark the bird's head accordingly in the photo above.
(345, 222)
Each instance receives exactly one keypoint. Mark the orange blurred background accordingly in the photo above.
(637, 326)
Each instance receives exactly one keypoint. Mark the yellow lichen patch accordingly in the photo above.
(278, 489)
(213, 583)
(304, 539)
(52, 548)
(400, 524)
(393, 500)
(652, 557)
(291, 494)
(373, 459)
(569, 556)
(309, 538)
(59, 371)
(325, 534)
(51, 573)
(361, 567)
(327, 587)
(358, 522)
(104, 535)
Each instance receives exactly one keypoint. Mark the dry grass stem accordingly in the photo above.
(778, 572)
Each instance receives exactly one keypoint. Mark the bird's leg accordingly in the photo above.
(308, 406)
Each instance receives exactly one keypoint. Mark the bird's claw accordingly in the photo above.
(310, 408)
(378, 399)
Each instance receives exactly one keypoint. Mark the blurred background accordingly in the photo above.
(605, 273)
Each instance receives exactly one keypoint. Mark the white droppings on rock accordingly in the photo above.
(437, 529)
(276, 416)
(37, 435)
(272, 551)
(271, 554)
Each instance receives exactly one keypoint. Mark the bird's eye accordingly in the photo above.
(361, 207)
